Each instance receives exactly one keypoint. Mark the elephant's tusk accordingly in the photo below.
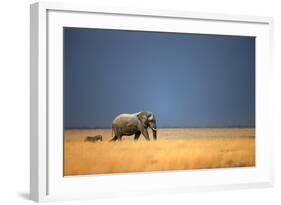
(155, 130)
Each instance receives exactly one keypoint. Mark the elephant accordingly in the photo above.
(93, 139)
(134, 124)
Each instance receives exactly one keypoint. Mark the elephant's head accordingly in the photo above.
(148, 120)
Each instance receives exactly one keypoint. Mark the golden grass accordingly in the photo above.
(176, 149)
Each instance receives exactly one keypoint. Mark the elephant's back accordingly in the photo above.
(124, 117)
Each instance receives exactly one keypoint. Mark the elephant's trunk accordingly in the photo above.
(153, 127)
(154, 134)
(154, 131)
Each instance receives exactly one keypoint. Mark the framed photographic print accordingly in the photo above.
(127, 102)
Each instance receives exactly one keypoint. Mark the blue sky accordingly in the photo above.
(187, 80)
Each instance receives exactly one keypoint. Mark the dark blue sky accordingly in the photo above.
(187, 80)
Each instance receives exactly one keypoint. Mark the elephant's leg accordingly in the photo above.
(114, 138)
(145, 134)
(137, 135)
(117, 134)
(119, 137)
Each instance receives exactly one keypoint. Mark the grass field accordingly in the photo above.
(175, 149)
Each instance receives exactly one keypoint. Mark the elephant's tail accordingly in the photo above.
(113, 138)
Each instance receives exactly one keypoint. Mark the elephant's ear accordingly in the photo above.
(151, 116)
(142, 116)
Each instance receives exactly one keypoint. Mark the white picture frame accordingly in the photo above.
(47, 182)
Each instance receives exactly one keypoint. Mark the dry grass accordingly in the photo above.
(176, 149)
